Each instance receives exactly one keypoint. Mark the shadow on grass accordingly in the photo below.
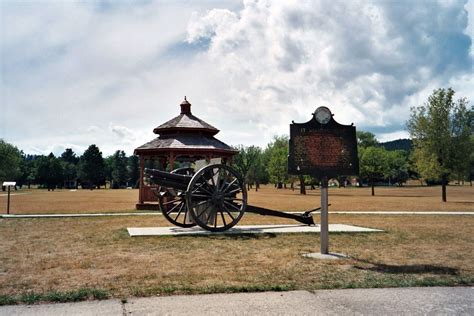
(408, 269)
(401, 195)
(242, 236)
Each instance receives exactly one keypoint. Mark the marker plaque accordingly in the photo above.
(323, 147)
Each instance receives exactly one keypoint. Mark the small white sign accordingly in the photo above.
(9, 183)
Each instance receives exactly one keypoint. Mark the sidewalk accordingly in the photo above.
(395, 301)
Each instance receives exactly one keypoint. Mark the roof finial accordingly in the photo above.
(185, 106)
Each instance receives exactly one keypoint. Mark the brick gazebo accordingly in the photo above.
(181, 141)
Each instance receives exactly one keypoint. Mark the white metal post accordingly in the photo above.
(8, 201)
(324, 217)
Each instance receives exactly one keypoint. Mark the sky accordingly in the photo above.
(75, 73)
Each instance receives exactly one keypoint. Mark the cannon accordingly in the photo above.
(214, 197)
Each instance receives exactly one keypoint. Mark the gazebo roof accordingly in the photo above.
(185, 122)
(185, 133)
(185, 142)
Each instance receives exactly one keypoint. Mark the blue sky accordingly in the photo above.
(75, 73)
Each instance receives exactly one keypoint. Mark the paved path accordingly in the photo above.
(398, 301)
(12, 194)
(159, 213)
(77, 215)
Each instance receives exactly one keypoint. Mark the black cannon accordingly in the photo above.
(214, 198)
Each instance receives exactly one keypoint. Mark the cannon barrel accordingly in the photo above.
(167, 179)
(304, 218)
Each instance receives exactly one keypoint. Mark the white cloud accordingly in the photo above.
(68, 69)
(385, 137)
(93, 129)
(124, 133)
(366, 60)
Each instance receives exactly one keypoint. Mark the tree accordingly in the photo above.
(92, 167)
(69, 156)
(69, 161)
(10, 160)
(372, 164)
(49, 171)
(119, 169)
(471, 162)
(440, 130)
(247, 162)
(366, 139)
(302, 184)
(278, 162)
(28, 169)
(108, 162)
(397, 167)
(134, 170)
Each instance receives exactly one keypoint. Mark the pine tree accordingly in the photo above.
(92, 167)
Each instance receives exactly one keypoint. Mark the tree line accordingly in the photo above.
(377, 165)
(90, 170)
(441, 148)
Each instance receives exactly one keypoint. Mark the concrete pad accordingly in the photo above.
(324, 256)
(268, 303)
(397, 301)
(108, 307)
(403, 301)
(391, 301)
(249, 229)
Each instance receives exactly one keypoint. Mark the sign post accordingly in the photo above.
(323, 148)
(324, 217)
(8, 185)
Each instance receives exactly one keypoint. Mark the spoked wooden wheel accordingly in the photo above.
(173, 203)
(216, 197)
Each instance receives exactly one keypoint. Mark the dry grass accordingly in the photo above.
(48, 255)
(44, 255)
(460, 198)
(410, 198)
(36, 201)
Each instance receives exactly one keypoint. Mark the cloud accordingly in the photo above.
(385, 137)
(70, 68)
(124, 133)
(249, 68)
(369, 61)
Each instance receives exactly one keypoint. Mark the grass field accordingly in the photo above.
(72, 258)
(410, 198)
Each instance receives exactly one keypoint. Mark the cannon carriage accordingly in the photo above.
(213, 197)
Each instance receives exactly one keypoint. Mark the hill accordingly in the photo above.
(399, 144)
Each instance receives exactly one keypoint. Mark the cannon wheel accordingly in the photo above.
(173, 203)
(216, 197)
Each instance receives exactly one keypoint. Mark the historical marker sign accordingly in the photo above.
(323, 147)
